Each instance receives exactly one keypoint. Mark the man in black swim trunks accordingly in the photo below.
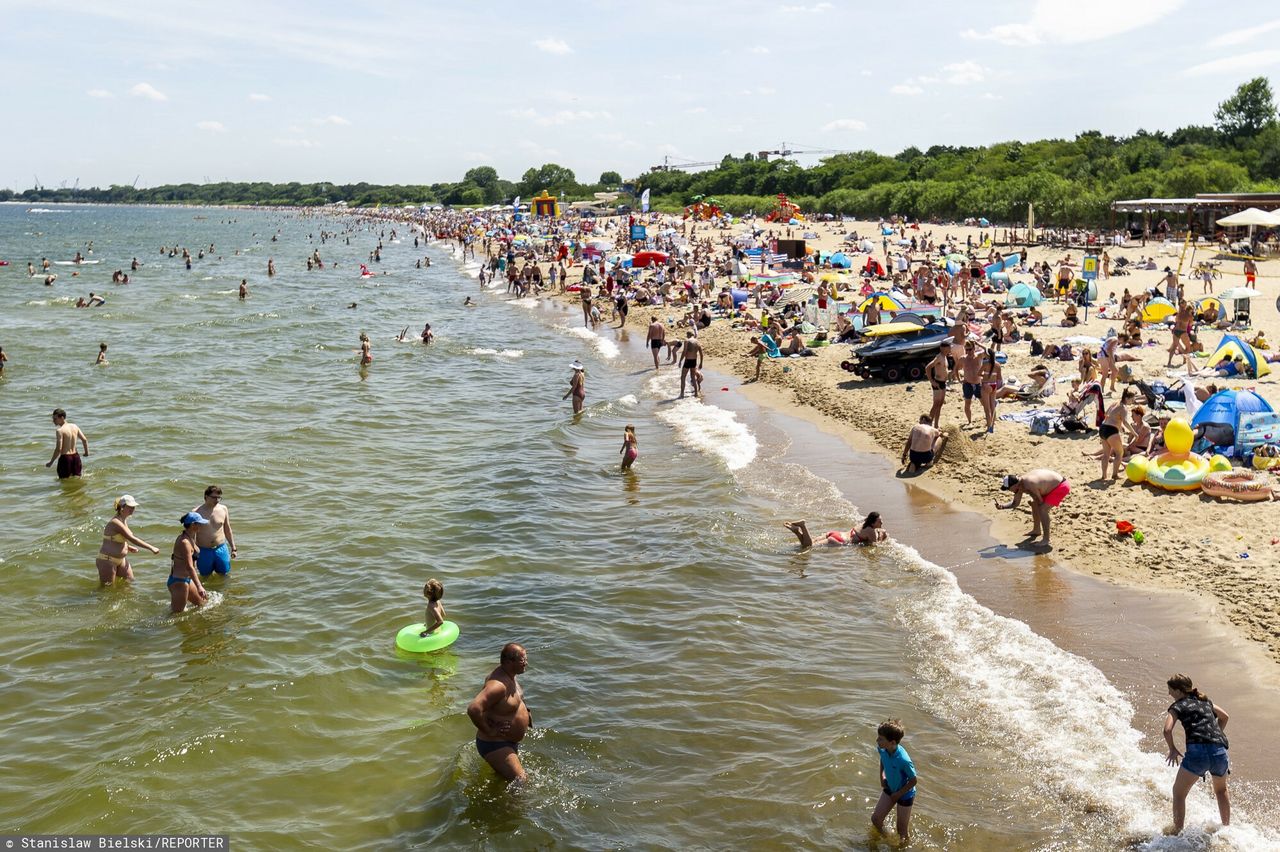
(500, 715)
(656, 338)
(692, 364)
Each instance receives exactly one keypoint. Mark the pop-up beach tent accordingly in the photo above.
(1023, 295)
(1229, 347)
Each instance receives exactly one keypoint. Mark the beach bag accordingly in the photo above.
(1041, 424)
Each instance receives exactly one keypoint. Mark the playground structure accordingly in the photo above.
(545, 204)
(785, 211)
(702, 208)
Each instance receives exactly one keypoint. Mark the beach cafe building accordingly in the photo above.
(1199, 214)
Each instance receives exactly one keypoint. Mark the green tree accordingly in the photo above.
(610, 179)
(1248, 111)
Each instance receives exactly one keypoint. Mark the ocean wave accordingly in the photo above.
(704, 427)
(606, 347)
(500, 353)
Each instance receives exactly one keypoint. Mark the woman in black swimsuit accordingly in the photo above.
(1113, 443)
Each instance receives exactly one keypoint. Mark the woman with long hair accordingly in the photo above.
(1203, 722)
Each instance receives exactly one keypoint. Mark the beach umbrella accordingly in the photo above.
(885, 301)
(1252, 216)
(1236, 294)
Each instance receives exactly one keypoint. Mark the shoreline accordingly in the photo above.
(1193, 543)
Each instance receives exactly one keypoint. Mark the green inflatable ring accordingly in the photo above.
(408, 639)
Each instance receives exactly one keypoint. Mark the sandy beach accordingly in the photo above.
(1227, 551)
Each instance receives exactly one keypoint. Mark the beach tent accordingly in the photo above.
(1231, 408)
(1211, 303)
(873, 267)
(886, 301)
(1023, 295)
(1010, 262)
(1158, 310)
(1230, 346)
(841, 260)
(648, 258)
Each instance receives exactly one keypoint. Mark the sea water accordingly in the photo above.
(695, 682)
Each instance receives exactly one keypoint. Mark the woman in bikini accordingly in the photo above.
(872, 532)
(630, 447)
(992, 381)
(118, 541)
(1113, 443)
(1088, 367)
(184, 581)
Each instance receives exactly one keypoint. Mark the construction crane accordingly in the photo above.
(795, 149)
(667, 165)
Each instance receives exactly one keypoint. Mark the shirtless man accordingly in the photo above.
(923, 444)
(1045, 488)
(215, 539)
(65, 436)
(1065, 276)
(936, 373)
(692, 364)
(500, 715)
(656, 338)
(971, 378)
(244, 289)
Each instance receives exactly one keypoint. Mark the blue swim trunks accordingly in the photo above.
(211, 559)
(1204, 757)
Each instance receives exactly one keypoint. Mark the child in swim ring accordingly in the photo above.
(433, 591)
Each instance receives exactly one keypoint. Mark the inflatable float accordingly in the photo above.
(1179, 469)
(411, 639)
(1244, 485)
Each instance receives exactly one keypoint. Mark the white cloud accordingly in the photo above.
(906, 89)
(760, 49)
(211, 126)
(766, 90)
(557, 46)
(1244, 62)
(146, 90)
(1247, 34)
(477, 157)
(865, 72)
(99, 93)
(815, 8)
(296, 143)
(562, 116)
(1055, 22)
(698, 110)
(258, 96)
(845, 124)
(992, 96)
(333, 119)
(964, 73)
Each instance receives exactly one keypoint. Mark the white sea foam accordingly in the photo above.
(503, 353)
(526, 302)
(704, 427)
(995, 678)
(629, 399)
(606, 347)
(43, 210)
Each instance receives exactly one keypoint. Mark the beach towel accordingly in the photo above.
(1028, 415)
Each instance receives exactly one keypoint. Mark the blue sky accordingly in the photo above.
(418, 92)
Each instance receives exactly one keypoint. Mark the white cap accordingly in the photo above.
(127, 500)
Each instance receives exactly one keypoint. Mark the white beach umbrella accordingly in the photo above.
(1252, 216)
(1237, 293)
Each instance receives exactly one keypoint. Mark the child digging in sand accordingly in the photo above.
(433, 591)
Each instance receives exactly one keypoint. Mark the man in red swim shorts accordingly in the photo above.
(1044, 488)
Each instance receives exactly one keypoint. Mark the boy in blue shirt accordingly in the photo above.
(897, 778)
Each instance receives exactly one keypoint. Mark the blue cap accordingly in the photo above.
(193, 518)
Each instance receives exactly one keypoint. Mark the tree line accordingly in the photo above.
(1070, 182)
